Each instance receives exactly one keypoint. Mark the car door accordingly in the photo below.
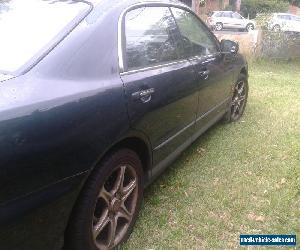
(227, 19)
(285, 22)
(295, 23)
(289, 22)
(213, 74)
(238, 21)
(159, 86)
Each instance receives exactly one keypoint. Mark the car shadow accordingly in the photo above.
(172, 170)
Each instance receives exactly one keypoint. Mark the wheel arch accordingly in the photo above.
(139, 145)
(136, 141)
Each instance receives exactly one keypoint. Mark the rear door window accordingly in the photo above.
(150, 37)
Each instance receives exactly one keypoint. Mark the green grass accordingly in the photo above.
(241, 178)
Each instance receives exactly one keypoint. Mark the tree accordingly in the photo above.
(252, 7)
(295, 2)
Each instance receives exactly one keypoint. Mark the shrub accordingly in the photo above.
(252, 7)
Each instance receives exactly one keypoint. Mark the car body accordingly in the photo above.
(87, 91)
(219, 20)
(284, 22)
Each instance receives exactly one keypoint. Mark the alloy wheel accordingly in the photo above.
(276, 28)
(115, 207)
(238, 100)
(219, 26)
(250, 27)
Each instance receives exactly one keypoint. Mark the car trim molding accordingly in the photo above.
(191, 124)
(154, 67)
(213, 109)
(174, 136)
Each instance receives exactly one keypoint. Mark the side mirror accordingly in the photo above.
(229, 47)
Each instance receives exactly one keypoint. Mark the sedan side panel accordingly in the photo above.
(57, 133)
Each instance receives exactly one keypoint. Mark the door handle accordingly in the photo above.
(144, 95)
(204, 73)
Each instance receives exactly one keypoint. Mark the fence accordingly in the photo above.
(266, 44)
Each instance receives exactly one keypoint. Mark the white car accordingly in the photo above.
(229, 19)
(284, 22)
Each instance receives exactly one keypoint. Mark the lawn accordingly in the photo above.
(241, 178)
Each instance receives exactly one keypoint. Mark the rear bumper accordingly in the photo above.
(38, 220)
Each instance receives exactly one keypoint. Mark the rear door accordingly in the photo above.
(285, 22)
(159, 85)
(213, 75)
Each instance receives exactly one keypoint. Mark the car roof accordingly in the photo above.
(281, 13)
(222, 11)
(129, 2)
(286, 14)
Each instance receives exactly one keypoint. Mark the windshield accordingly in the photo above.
(28, 27)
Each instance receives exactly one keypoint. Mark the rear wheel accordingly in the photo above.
(238, 101)
(276, 28)
(107, 209)
(219, 26)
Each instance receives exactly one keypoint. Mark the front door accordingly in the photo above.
(213, 75)
(238, 21)
(159, 86)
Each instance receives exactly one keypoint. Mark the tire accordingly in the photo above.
(234, 114)
(102, 204)
(276, 28)
(249, 27)
(219, 26)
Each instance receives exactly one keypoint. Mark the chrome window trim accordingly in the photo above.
(210, 57)
(129, 72)
(174, 136)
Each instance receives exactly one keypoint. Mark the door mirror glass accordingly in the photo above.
(229, 47)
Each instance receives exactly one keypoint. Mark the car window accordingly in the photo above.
(196, 37)
(295, 18)
(218, 14)
(237, 16)
(25, 36)
(284, 17)
(227, 14)
(150, 37)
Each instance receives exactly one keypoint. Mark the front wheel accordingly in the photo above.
(239, 100)
(250, 27)
(108, 206)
